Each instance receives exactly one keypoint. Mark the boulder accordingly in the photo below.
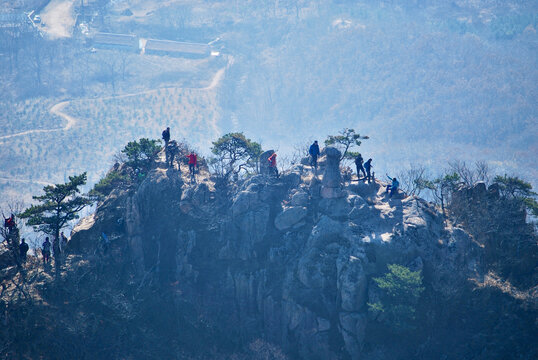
(300, 198)
(335, 207)
(289, 217)
(244, 201)
(292, 179)
(360, 212)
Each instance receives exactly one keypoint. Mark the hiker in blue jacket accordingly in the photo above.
(393, 188)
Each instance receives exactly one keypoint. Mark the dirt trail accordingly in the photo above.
(57, 110)
(28, 132)
(72, 121)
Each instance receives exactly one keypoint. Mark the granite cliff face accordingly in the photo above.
(287, 259)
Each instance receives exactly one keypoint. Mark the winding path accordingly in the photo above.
(72, 121)
(57, 110)
(54, 110)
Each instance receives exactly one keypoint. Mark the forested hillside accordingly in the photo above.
(429, 81)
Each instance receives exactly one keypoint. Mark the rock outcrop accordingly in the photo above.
(290, 258)
(332, 179)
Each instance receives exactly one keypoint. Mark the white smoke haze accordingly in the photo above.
(429, 81)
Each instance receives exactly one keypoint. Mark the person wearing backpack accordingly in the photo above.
(314, 153)
(193, 161)
(358, 164)
(272, 164)
(368, 166)
(172, 150)
(45, 250)
(23, 250)
(9, 223)
(166, 138)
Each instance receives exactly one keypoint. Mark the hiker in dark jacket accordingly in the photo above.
(314, 153)
(368, 166)
(45, 249)
(166, 138)
(358, 163)
(23, 249)
(172, 150)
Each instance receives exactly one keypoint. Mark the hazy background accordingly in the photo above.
(428, 80)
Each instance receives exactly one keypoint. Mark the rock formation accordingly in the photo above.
(282, 260)
(332, 179)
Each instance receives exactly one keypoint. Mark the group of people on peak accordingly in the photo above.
(58, 246)
(172, 152)
(362, 167)
(11, 230)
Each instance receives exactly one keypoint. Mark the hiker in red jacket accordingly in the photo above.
(272, 164)
(9, 223)
(193, 161)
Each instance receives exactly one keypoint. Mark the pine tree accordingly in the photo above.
(60, 204)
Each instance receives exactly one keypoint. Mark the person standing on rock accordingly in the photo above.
(172, 150)
(56, 248)
(166, 138)
(23, 250)
(193, 161)
(63, 242)
(272, 164)
(314, 153)
(368, 166)
(393, 187)
(45, 250)
(9, 223)
(358, 162)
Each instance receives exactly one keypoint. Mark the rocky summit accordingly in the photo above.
(286, 267)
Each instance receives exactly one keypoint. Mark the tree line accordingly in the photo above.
(235, 156)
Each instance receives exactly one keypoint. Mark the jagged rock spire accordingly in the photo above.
(332, 180)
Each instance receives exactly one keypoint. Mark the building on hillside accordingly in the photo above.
(124, 41)
(178, 48)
